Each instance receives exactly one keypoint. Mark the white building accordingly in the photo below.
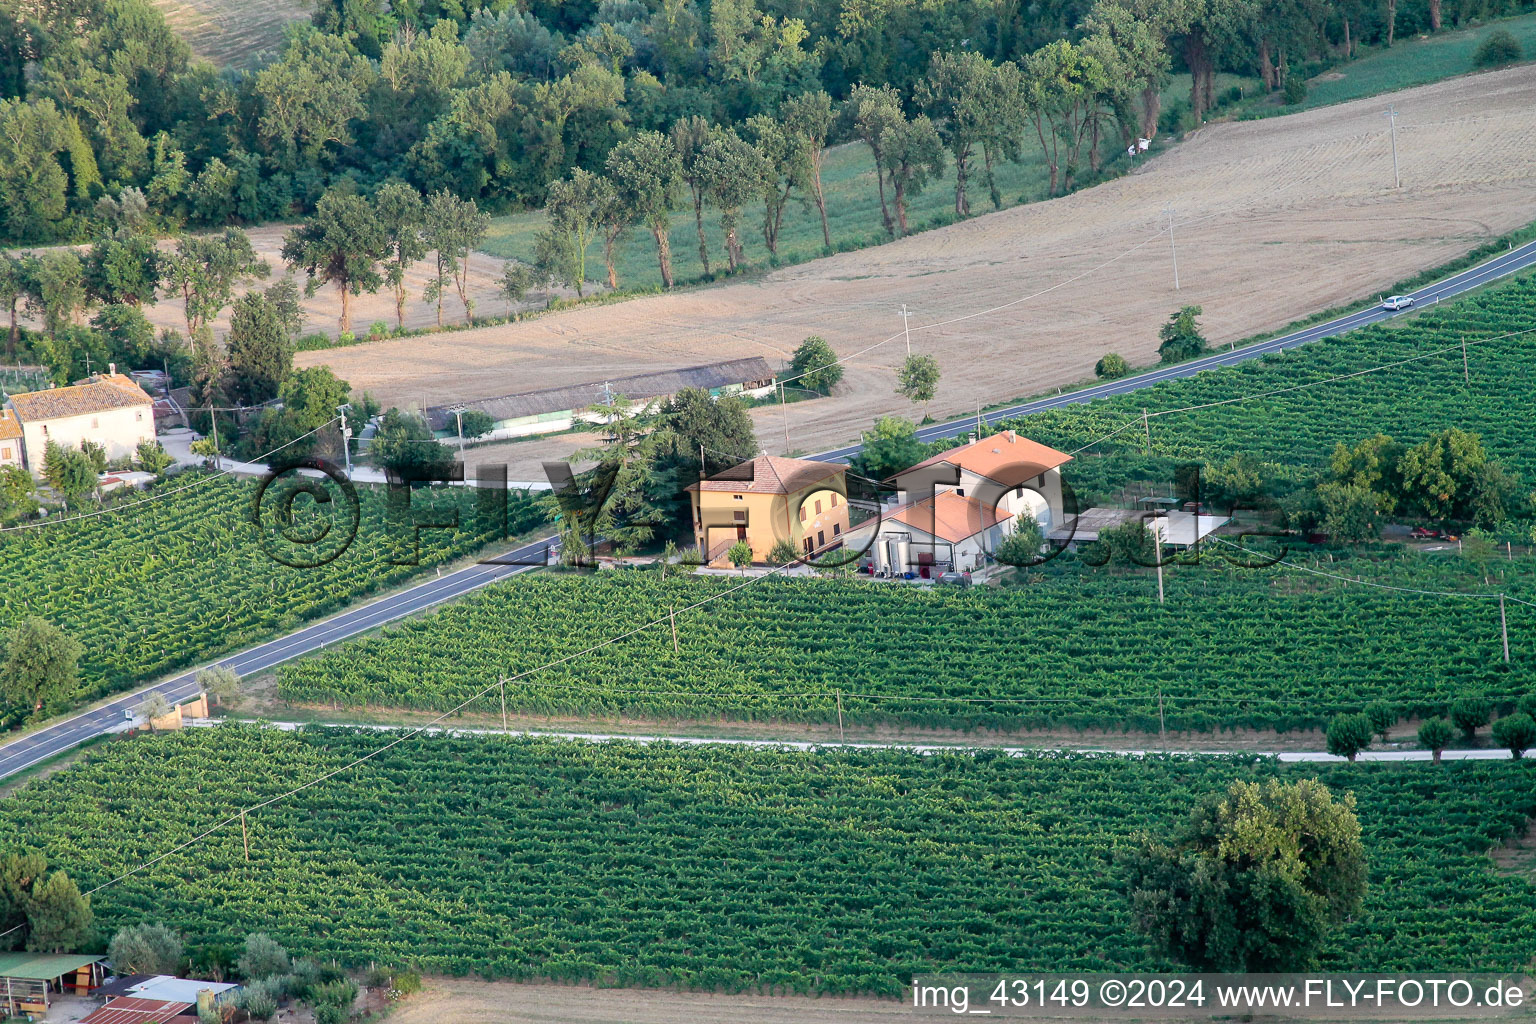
(954, 508)
(108, 409)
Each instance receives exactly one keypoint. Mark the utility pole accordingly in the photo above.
(503, 682)
(840, 737)
(784, 408)
(906, 328)
(1504, 628)
(1146, 424)
(458, 414)
(346, 436)
(1157, 538)
(1168, 209)
(1162, 727)
(1466, 371)
(245, 835)
(1397, 180)
(218, 463)
(672, 615)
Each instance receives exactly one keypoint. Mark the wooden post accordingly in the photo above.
(1504, 628)
(1162, 730)
(1146, 424)
(840, 737)
(245, 835)
(672, 615)
(503, 683)
(1466, 372)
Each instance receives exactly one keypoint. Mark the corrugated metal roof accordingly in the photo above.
(43, 966)
(580, 396)
(128, 1010)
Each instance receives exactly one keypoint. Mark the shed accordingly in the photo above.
(132, 1010)
(28, 979)
(553, 409)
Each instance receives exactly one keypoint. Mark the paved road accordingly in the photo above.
(1500, 266)
(61, 736)
(45, 743)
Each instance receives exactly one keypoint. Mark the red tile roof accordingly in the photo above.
(1007, 458)
(950, 517)
(100, 394)
(769, 474)
(10, 426)
(128, 1010)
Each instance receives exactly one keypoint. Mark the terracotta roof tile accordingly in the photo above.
(769, 474)
(1007, 458)
(104, 393)
(950, 517)
(10, 426)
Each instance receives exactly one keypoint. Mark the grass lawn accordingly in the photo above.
(1414, 61)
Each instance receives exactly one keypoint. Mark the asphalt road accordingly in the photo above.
(63, 735)
(22, 753)
(1500, 266)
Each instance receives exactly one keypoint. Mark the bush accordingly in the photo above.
(378, 329)
(1112, 367)
(1470, 714)
(1180, 336)
(258, 1000)
(1435, 735)
(1383, 717)
(1517, 732)
(1349, 734)
(1295, 90)
(1498, 49)
(407, 982)
(263, 957)
(476, 423)
(815, 365)
(146, 949)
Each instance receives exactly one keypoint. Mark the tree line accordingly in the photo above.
(497, 104)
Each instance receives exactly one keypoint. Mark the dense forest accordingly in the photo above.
(495, 102)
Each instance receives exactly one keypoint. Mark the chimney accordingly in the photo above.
(1013, 436)
(112, 369)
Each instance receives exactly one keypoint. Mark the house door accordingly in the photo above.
(741, 532)
(925, 564)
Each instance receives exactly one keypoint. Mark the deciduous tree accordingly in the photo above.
(340, 245)
(646, 174)
(1254, 881)
(41, 663)
(814, 365)
(259, 350)
(401, 215)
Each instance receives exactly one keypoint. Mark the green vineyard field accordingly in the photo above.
(1078, 647)
(1408, 402)
(184, 578)
(727, 867)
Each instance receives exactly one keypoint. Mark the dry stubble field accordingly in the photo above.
(1275, 219)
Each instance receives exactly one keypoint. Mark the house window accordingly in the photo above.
(802, 513)
(1019, 493)
(818, 508)
(821, 537)
(960, 492)
(737, 497)
(837, 528)
(807, 545)
(834, 501)
(739, 517)
(5, 453)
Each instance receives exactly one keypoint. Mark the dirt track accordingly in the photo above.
(1275, 219)
(464, 1001)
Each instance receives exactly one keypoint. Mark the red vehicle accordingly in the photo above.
(1424, 533)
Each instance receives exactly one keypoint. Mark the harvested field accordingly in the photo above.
(466, 1001)
(1276, 219)
(229, 34)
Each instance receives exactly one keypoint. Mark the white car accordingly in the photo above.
(1397, 302)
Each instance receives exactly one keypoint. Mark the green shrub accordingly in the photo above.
(1498, 49)
(407, 982)
(378, 329)
(1435, 735)
(1112, 367)
(1383, 717)
(1517, 732)
(1470, 714)
(1295, 90)
(262, 958)
(1349, 734)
